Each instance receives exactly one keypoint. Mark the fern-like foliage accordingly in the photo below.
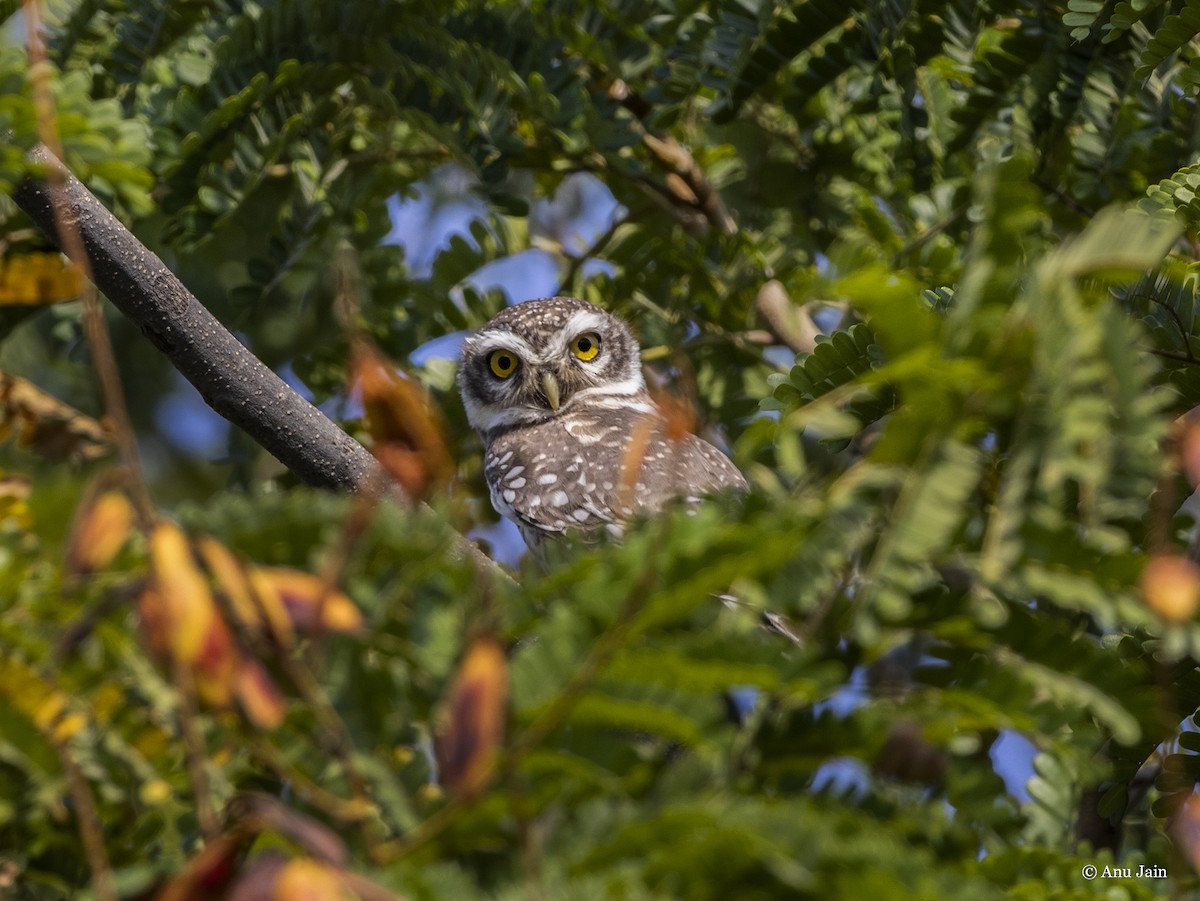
(955, 493)
(836, 362)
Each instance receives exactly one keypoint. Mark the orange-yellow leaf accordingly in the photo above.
(250, 607)
(259, 696)
(188, 602)
(38, 278)
(408, 435)
(187, 620)
(216, 669)
(102, 525)
(68, 727)
(1171, 587)
(50, 710)
(306, 880)
(472, 726)
(302, 595)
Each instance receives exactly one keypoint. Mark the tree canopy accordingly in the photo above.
(927, 268)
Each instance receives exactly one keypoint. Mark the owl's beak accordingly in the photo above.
(550, 389)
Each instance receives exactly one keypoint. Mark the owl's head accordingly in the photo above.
(545, 358)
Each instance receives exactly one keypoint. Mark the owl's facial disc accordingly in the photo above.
(544, 358)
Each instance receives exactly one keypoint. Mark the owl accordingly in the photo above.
(572, 440)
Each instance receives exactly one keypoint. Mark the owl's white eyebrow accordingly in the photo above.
(503, 339)
(583, 321)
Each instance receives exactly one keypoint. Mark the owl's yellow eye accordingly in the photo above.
(586, 346)
(503, 363)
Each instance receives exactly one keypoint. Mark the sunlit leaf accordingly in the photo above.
(406, 428)
(1171, 587)
(258, 695)
(310, 603)
(102, 524)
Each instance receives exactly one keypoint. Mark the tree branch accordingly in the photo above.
(235, 383)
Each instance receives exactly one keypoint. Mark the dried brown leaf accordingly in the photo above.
(472, 726)
(407, 431)
(46, 426)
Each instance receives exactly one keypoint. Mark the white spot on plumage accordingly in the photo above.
(517, 483)
(548, 478)
(559, 499)
(510, 495)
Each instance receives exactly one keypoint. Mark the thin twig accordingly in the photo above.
(13, 237)
(91, 828)
(103, 358)
(790, 324)
(193, 742)
(930, 233)
(576, 262)
(348, 812)
(815, 619)
(1174, 314)
(337, 738)
(1065, 199)
(1172, 355)
(366, 889)
(687, 184)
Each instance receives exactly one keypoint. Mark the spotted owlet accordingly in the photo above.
(572, 439)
